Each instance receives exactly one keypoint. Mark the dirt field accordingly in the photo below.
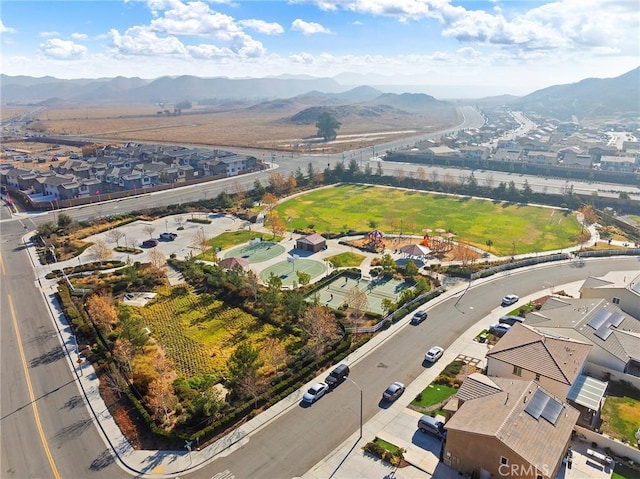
(256, 127)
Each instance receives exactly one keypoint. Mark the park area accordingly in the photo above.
(503, 229)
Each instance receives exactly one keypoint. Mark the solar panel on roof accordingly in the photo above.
(537, 404)
(599, 319)
(604, 332)
(552, 410)
(616, 319)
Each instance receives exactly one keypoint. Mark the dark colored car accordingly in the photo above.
(393, 392)
(511, 320)
(338, 375)
(168, 236)
(418, 317)
(150, 243)
(499, 330)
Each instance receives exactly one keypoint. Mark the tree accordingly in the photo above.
(410, 269)
(114, 236)
(321, 325)
(243, 365)
(200, 240)
(357, 303)
(157, 259)
(275, 223)
(303, 278)
(100, 251)
(269, 200)
(64, 221)
(388, 263)
(277, 184)
(149, 229)
(102, 311)
(274, 352)
(589, 215)
(328, 126)
(161, 396)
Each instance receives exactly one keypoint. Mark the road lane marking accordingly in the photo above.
(32, 397)
(4, 272)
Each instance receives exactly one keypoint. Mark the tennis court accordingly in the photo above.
(376, 290)
(286, 270)
(256, 251)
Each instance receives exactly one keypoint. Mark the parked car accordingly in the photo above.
(315, 392)
(168, 236)
(150, 243)
(511, 320)
(431, 425)
(434, 354)
(419, 316)
(499, 330)
(338, 375)
(393, 392)
(510, 299)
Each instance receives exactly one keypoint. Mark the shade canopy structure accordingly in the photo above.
(440, 230)
(449, 235)
(415, 250)
(230, 263)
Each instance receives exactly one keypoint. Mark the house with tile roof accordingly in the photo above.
(508, 428)
(614, 334)
(553, 362)
(617, 287)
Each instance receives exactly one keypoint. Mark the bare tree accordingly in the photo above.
(157, 259)
(275, 223)
(434, 176)
(488, 181)
(321, 325)
(357, 303)
(100, 251)
(149, 229)
(274, 352)
(200, 240)
(114, 236)
(179, 220)
(463, 252)
(421, 173)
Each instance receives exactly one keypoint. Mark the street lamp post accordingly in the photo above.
(361, 402)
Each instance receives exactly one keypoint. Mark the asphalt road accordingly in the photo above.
(295, 442)
(47, 431)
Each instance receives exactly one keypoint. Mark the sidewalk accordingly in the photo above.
(396, 423)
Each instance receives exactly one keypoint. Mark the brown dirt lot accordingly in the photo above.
(256, 127)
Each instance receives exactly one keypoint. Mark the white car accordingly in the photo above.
(510, 299)
(434, 354)
(315, 392)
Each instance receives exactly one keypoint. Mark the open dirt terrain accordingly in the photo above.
(268, 126)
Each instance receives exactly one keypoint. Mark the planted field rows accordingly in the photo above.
(198, 332)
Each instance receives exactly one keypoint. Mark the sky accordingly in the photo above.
(511, 47)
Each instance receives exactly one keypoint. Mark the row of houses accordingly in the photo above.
(543, 378)
(552, 144)
(125, 168)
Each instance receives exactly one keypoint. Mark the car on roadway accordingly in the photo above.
(393, 392)
(511, 320)
(419, 316)
(434, 354)
(150, 243)
(499, 329)
(510, 299)
(337, 376)
(315, 392)
(168, 236)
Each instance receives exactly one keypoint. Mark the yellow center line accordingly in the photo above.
(36, 415)
(2, 265)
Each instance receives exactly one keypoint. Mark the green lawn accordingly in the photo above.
(433, 394)
(232, 238)
(345, 260)
(511, 228)
(621, 413)
(624, 472)
(386, 445)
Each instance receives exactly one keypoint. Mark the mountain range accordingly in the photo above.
(592, 97)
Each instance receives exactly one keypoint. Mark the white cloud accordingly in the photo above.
(49, 34)
(263, 27)
(308, 28)
(62, 49)
(4, 29)
(79, 36)
(142, 41)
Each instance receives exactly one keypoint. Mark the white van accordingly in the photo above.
(430, 425)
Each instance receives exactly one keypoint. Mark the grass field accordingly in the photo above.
(621, 413)
(433, 394)
(511, 228)
(346, 260)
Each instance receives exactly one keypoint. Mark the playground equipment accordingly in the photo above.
(374, 241)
